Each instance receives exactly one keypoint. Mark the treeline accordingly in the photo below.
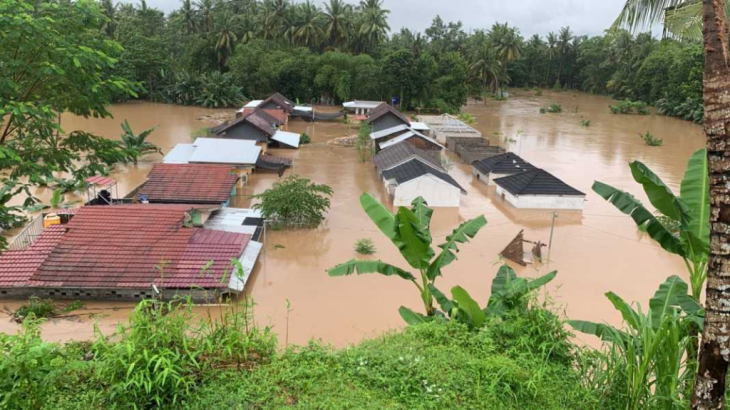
(217, 52)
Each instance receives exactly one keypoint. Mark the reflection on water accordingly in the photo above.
(594, 251)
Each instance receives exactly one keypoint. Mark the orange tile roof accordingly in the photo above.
(17, 267)
(189, 183)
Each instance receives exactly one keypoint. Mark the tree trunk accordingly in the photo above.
(709, 389)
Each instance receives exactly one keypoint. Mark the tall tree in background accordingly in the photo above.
(337, 28)
(565, 36)
(373, 25)
(309, 32)
(508, 45)
(710, 384)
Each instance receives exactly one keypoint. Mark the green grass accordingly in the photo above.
(552, 109)
(36, 308)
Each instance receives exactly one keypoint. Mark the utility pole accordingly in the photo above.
(552, 229)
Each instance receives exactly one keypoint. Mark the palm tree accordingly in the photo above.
(309, 31)
(486, 68)
(188, 15)
(337, 28)
(507, 44)
(109, 26)
(552, 52)
(373, 25)
(565, 36)
(248, 29)
(205, 9)
(227, 25)
(714, 359)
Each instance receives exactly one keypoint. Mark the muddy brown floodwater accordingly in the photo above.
(594, 251)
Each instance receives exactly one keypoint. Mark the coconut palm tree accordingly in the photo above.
(109, 26)
(338, 15)
(373, 24)
(205, 10)
(309, 32)
(188, 15)
(507, 44)
(486, 67)
(227, 25)
(714, 359)
(565, 36)
(552, 52)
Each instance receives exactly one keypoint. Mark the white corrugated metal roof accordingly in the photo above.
(404, 137)
(388, 131)
(289, 138)
(225, 151)
(419, 126)
(248, 260)
(362, 104)
(180, 154)
(231, 220)
(302, 108)
(253, 104)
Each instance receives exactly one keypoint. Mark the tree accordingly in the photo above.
(136, 144)
(54, 60)
(410, 232)
(226, 26)
(373, 24)
(508, 45)
(296, 201)
(486, 68)
(710, 385)
(309, 32)
(337, 29)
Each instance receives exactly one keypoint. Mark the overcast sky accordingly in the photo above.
(530, 16)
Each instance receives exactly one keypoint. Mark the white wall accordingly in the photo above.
(489, 178)
(542, 201)
(436, 192)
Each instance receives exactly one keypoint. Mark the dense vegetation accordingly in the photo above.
(226, 50)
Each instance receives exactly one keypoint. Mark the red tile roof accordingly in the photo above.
(17, 267)
(120, 246)
(189, 183)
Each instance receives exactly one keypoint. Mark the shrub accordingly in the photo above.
(630, 107)
(295, 201)
(219, 91)
(364, 142)
(650, 140)
(199, 133)
(365, 246)
(467, 118)
(305, 138)
(35, 308)
(538, 93)
(552, 109)
(585, 123)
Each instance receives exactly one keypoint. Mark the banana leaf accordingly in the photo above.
(659, 193)
(362, 267)
(627, 312)
(695, 192)
(412, 242)
(672, 295)
(423, 214)
(379, 214)
(446, 305)
(629, 205)
(468, 306)
(605, 332)
(411, 317)
(461, 234)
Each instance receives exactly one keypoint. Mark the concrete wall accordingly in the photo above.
(436, 192)
(542, 201)
(487, 179)
(105, 294)
(388, 120)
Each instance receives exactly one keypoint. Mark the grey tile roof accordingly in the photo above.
(507, 163)
(414, 169)
(383, 109)
(400, 153)
(286, 104)
(258, 118)
(536, 182)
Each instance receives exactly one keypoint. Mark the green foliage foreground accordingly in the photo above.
(166, 360)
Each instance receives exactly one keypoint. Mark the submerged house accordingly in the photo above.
(399, 154)
(414, 178)
(538, 189)
(360, 110)
(209, 184)
(384, 116)
(403, 133)
(258, 126)
(130, 252)
(276, 106)
(241, 154)
(488, 169)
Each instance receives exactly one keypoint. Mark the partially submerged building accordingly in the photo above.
(360, 110)
(209, 184)
(130, 252)
(241, 154)
(399, 154)
(488, 169)
(538, 189)
(403, 133)
(258, 126)
(384, 116)
(276, 106)
(446, 125)
(414, 179)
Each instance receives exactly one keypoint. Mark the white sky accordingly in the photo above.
(590, 17)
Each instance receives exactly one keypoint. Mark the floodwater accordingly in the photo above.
(594, 251)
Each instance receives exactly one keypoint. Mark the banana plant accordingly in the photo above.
(509, 293)
(690, 211)
(409, 230)
(137, 145)
(648, 354)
